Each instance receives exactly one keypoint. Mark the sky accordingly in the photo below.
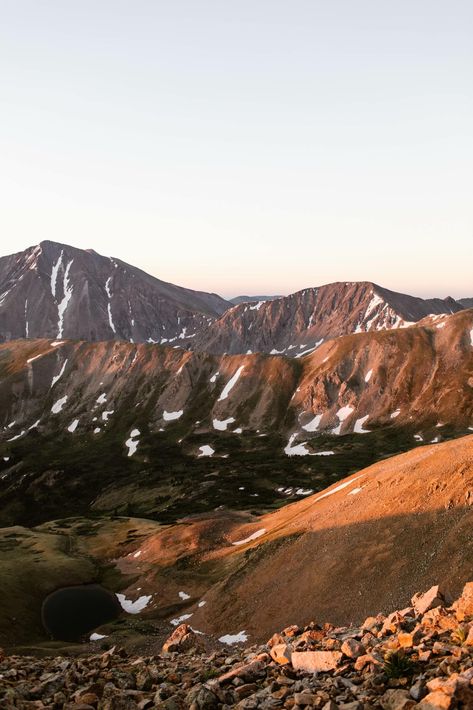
(246, 147)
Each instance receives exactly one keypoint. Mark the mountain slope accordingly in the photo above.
(357, 548)
(298, 323)
(166, 430)
(54, 290)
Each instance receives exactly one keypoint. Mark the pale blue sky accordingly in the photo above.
(247, 146)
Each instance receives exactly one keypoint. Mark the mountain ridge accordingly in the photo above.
(53, 290)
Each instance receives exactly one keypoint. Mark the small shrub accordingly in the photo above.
(397, 664)
(460, 635)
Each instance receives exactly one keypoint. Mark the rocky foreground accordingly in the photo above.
(420, 657)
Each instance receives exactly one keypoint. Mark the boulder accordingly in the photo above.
(315, 661)
(396, 699)
(353, 648)
(182, 639)
(248, 672)
(281, 653)
(464, 605)
(429, 600)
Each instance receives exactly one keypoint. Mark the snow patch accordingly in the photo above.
(206, 450)
(73, 426)
(179, 619)
(133, 607)
(358, 428)
(313, 425)
(368, 375)
(342, 414)
(254, 536)
(184, 596)
(57, 406)
(297, 450)
(395, 414)
(171, 416)
(230, 384)
(132, 442)
(97, 637)
(61, 372)
(102, 398)
(61, 309)
(222, 424)
(230, 639)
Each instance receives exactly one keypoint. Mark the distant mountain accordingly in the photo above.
(297, 324)
(466, 302)
(251, 299)
(167, 431)
(56, 291)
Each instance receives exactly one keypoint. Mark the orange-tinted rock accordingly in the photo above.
(315, 661)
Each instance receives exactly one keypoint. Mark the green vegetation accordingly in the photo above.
(398, 665)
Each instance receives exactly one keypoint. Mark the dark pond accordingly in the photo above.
(71, 612)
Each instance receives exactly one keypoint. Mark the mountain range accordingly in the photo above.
(192, 454)
(56, 291)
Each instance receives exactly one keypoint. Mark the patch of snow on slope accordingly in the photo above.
(222, 424)
(171, 416)
(323, 453)
(73, 426)
(254, 536)
(61, 372)
(97, 637)
(133, 607)
(184, 596)
(107, 414)
(54, 273)
(368, 376)
(471, 337)
(395, 414)
(206, 450)
(101, 399)
(109, 305)
(61, 309)
(214, 377)
(179, 619)
(55, 343)
(277, 352)
(297, 450)
(132, 442)
(57, 406)
(230, 384)
(313, 425)
(340, 487)
(342, 414)
(35, 425)
(14, 438)
(31, 359)
(355, 491)
(358, 428)
(230, 639)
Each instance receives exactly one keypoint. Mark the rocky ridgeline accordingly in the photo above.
(420, 657)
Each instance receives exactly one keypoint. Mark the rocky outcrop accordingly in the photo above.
(434, 671)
